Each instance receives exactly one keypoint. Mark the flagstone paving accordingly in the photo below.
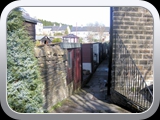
(92, 98)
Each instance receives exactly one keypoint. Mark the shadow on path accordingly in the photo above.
(92, 98)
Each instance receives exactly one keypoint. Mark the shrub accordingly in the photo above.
(24, 86)
(58, 34)
(37, 43)
(55, 40)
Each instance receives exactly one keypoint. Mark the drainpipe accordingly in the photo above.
(110, 52)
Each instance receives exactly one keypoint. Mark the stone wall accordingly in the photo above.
(135, 27)
(53, 65)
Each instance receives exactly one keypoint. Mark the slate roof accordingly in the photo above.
(45, 38)
(87, 29)
(58, 28)
(70, 36)
(79, 29)
(27, 17)
(47, 27)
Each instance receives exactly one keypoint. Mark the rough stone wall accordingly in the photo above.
(135, 27)
(53, 65)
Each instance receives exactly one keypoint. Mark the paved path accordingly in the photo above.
(93, 97)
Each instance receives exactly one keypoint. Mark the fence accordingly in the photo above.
(127, 78)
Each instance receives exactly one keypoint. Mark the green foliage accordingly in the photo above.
(37, 43)
(49, 23)
(58, 34)
(80, 40)
(59, 104)
(55, 40)
(24, 85)
(46, 23)
(66, 32)
(95, 40)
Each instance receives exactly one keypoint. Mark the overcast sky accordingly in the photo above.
(72, 15)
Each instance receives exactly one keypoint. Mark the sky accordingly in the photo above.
(72, 15)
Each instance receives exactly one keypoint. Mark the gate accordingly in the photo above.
(127, 79)
(77, 69)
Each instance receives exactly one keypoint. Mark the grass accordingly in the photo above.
(59, 104)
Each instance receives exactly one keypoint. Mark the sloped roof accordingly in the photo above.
(45, 38)
(46, 27)
(59, 28)
(79, 29)
(85, 28)
(70, 36)
(39, 37)
(27, 17)
(56, 28)
(30, 19)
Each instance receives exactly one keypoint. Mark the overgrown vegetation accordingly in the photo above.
(24, 85)
(37, 43)
(55, 40)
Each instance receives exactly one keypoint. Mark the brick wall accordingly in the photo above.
(135, 27)
(52, 63)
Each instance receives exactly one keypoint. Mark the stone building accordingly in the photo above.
(135, 28)
(132, 58)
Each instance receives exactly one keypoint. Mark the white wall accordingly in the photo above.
(47, 31)
(96, 51)
(87, 66)
(39, 28)
(68, 29)
(81, 34)
(84, 34)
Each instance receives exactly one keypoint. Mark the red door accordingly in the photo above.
(77, 69)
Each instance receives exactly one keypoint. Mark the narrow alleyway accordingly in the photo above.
(92, 98)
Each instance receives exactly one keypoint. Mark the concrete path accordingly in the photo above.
(93, 97)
